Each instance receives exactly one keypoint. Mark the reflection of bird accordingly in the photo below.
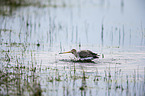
(83, 54)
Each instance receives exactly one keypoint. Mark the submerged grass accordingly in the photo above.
(20, 79)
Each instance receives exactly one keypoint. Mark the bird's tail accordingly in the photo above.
(96, 56)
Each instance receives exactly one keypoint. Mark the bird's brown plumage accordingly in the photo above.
(86, 53)
(83, 54)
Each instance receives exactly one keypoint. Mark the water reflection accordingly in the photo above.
(84, 85)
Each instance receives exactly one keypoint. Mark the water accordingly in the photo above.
(33, 34)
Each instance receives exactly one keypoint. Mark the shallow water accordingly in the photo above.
(32, 36)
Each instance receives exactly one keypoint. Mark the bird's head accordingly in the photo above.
(72, 51)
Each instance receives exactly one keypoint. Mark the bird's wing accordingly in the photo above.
(85, 54)
(91, 52)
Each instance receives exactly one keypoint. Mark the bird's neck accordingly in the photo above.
(75, 53)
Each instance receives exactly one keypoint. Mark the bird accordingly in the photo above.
(83, 55)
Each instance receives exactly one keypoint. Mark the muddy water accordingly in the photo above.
(32, 35)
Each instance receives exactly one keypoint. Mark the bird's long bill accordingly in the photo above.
(65, 52)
